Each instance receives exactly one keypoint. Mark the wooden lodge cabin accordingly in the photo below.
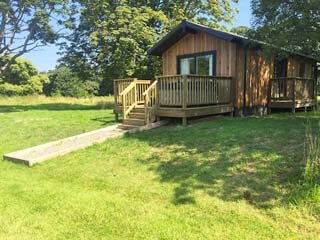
(208, 71)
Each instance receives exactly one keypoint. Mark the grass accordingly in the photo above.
(224, 179)
(29, 121)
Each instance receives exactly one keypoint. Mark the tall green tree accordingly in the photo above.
(111, 38)
(29, 24)
(292, 25)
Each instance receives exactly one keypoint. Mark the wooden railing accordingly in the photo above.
(292, 89)
(131, 94)
(192, 90)
(119, 86)
(141, 87)
(128, 99)
(150, 102)
(180, 91)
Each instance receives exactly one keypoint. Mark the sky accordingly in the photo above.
(46, 58)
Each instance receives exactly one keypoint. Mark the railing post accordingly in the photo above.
(124, 107)
(315, 93)
(269, 96)
(135, 91)
(115, 94)
(294, 96)
(146, 109)
(184, 97)
(157, 96)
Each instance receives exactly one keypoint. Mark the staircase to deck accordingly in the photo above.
(135, 100)
(136, 118)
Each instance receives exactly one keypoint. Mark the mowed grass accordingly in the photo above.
(29, 121)
(237, 178)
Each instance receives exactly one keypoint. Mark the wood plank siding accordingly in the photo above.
(197, 43)
(250, 71)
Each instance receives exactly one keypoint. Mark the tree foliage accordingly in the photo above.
(292, 25)
(111, 38)
(29, 24)
(63, 82)
(241, 30)
(22, 78)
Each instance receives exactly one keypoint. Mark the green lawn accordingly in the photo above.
(224, 179)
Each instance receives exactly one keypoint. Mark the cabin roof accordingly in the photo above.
(186, 27)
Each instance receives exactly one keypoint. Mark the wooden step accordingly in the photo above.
(126, 126)
(134, 121)
(138, 109)
(137, 115)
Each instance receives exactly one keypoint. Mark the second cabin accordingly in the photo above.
(208, 71)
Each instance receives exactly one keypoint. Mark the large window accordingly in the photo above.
(199, 64)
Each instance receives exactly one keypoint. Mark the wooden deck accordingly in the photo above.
(292, 93)
(179, 96)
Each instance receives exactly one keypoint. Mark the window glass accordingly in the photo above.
(204, 65)
(187, 66)
(281, 67)
(200, 65)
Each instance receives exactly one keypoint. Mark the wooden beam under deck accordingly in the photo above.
(291, 104)
(194, 111)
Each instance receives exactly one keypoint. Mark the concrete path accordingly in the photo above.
(46, 151)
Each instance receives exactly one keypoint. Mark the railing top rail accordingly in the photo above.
(292, 78)
(124, 79)
(150, 87)
(132, 79)
(193, 75)
(143, 81)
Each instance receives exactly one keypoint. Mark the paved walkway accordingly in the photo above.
(60, 147)
(46, 151)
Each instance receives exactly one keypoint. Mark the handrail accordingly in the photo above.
(131, 93)
(131, 85)
(150, 87)
(129, 99)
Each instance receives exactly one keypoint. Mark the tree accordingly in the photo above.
(241, 30)
(292, 25)
(111, 38)
(22, 78)
(63, 82)
(29, 24)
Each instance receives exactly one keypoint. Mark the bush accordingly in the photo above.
(8, 89)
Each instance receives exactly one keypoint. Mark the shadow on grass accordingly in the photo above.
(54, 107)
(259, 160)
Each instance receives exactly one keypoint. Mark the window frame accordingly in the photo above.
(200, 54)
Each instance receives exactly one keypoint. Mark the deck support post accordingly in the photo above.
(184, 121)
(116, 116)
(269, 98)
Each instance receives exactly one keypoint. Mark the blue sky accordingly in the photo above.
(46, 58)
